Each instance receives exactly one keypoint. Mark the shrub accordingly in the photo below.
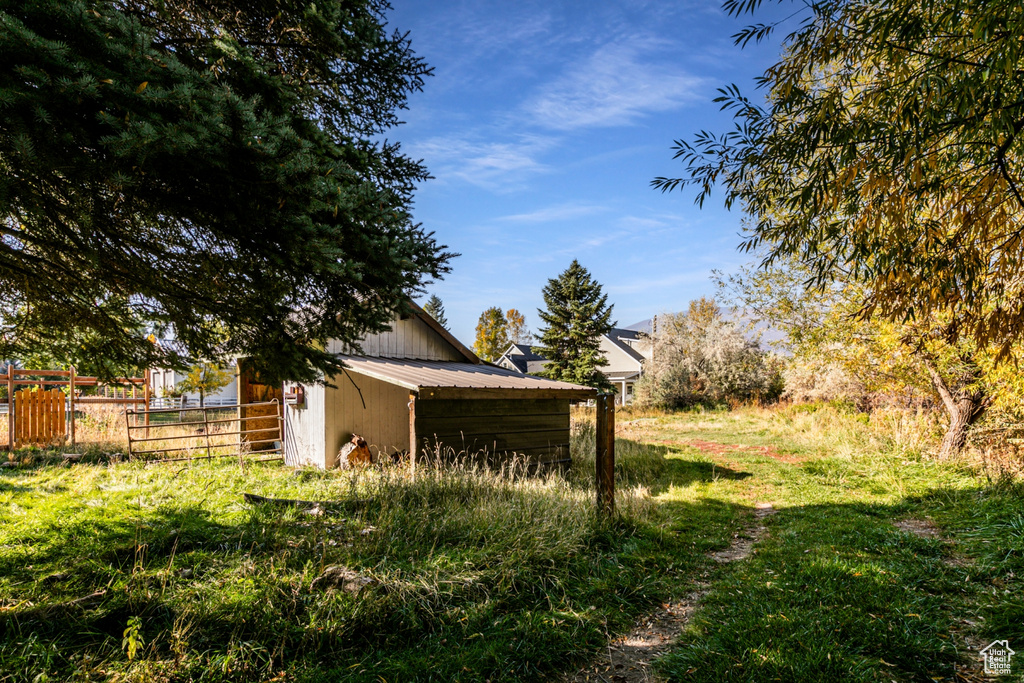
(701, 359)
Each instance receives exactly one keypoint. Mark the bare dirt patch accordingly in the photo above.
(919, 527)
(715, 448)
(630, 658)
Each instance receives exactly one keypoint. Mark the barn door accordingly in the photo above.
(39, 416)
(252, 390)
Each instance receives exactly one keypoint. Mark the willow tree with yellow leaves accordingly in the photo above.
(884, 149)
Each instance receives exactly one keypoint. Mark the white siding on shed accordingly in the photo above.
(384, 422)
(304, 431)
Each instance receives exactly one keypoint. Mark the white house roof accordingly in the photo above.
(453, 379)
(523, 358)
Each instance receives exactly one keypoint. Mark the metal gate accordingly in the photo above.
(254, 429)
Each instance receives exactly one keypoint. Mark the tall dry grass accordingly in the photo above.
(520, 569)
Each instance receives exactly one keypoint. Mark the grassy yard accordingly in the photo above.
(878, 565)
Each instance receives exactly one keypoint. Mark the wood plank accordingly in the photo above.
(10, 408)
(495, 407)
(398, 347)
(71, 403)
(413, 440)
(447, 339)
(605, 460)
(493, 393)
(537, 455)
(43, 373)
(484, 424)
(535, 439)
(46, 413)
(19, 420)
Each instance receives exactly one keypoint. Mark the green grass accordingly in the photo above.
(482, 576)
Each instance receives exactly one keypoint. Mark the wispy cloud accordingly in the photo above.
(615, 85)
(551, 214)
(659, 284)
(491, 165)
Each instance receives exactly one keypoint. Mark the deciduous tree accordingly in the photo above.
(207, 166)
(892, 360)
(577, 315)
(888, 151)
(518, 333)
(205, 378)
(699, 358)
(491, 334)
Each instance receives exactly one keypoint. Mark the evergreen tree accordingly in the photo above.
(435, 309)
(207, 166)
(491, 334)
(577, 316)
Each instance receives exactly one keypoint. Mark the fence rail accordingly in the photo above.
(52, 418)
(183, 434)
(171, 402)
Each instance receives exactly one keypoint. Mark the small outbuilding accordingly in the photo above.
(415, 389)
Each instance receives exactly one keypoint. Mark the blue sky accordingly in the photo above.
(543, 126)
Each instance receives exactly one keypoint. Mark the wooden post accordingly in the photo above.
(128, 431)
(606, 453)
(206, 429)
(71, 403)
(147, 396)
(242, 397)
(10, 406)
(412, 433)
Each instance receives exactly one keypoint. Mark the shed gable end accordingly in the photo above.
(409, 337)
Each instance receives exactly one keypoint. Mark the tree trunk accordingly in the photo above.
(964, 407)
(967, 411)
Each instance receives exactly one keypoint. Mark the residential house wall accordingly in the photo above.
(625, 351)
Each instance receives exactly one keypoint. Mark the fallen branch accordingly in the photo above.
(46, 611)
(353, 504)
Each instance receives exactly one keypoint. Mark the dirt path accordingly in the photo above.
(630, 658)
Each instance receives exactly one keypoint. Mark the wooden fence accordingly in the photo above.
(39, 416)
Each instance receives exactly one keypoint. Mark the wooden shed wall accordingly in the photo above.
(304, 430)
(534, 427)
(384, 422)
(409, 338)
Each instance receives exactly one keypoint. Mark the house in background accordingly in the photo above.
(163, 382)
(625, 349)
(521, 358)
(415, 389)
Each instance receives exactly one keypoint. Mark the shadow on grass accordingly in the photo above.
(839, 593)
(466, 594)
(8, 487)
(658, 467)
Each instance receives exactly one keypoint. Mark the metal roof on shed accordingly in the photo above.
(448, 379)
